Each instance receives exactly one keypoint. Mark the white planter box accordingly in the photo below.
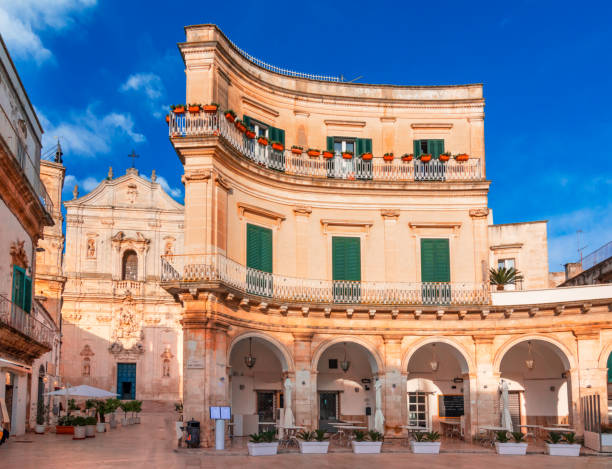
(511, 448)
(313, 447)
(79, 433)
(366, 447)
(39, 429)
(262, 449)
(425, 447)
(606, 442)
(125, 422)
(563, 449)
(90, 431)
(100, 427)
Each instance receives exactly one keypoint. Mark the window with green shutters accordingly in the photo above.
(610, 368)
(346, 269)
(22, 289)
(435, 260)
(262, 129)
(433, 146)
(259, 260)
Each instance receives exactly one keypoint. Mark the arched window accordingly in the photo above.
(166, 368)
(86, 367)
(130, 266)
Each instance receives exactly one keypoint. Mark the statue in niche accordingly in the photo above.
(86, 367)
(91, 248)
(166, 368)
(168, 249)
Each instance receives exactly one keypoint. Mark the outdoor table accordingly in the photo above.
(347, 431)
(289, 434)
(267, 425)
(450, 426)
(490, 430)
(410, 429)
(536, 430)
(559, 429)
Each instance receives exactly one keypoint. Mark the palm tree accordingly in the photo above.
(504, 276)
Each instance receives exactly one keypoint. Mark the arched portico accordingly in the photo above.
(438, 386)
(537, 370)
(346, 370)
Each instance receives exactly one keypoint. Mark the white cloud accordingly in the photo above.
(88, 134)
(21, 21)
(85, 185)
(151, 85)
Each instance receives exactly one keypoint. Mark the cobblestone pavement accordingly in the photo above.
(151, 445)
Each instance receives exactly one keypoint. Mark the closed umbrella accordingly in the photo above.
(379, 418)
(506, 418)
(288, 421)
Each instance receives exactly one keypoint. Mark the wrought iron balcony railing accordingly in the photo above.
(190, 269)
(15, 317)
(205, 124)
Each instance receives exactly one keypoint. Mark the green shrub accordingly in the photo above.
(502, 436)
(518, 437)
(375, 436)
(320, 435)
(263, 437)
(306, 435)
(79, 421)
(91, 420)
(419, 436)
(554, 438)
(432, 436)
(359, 435)
(570, 438)
(40, 412)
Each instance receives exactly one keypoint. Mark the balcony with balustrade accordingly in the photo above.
(202, 124)
(22, 334)
(216, 272)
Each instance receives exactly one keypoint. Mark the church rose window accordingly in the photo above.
(130, 266)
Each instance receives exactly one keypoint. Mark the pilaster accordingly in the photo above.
(394, 386)
(305, 401)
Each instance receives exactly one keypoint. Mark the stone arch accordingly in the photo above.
(461, 354)
(604, 355)
(376, 362)
(278, 348)
(564, 354)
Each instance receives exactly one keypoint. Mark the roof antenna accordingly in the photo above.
(355, 79)
(580, 249)
(58, 152)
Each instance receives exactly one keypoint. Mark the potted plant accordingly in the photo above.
(194, 108)
(167, 118)
(125, 407)
(328, 154)
(230, 115)
(178, 108)
(407, 157)
(112, 405)
(564, 444)
(90, 427)
(263, 444)
(502, 277)
(315, 442)
(250, 133)
(262, 141)
(313, 152)
(297, 150)
(240, 125)
(347, 155)
(278, 146)
(366, 156)
(211, 108)
(137, 408)
(39, 429)
(388, 157)
(462, 157)
(65, 425)
(367, 443)
(445, 156)
(425, 157)
(425, 443)
(503, 445)
(80, 432)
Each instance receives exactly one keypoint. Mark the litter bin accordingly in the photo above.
(193, 434)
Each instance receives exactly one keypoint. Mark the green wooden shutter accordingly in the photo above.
(259, 248)
(435, 147)
(346, 258)
(363, 145)
(276, 135)
(610, 368)
(247, 121)
(27, 295)
(417, 148)
(435, 260)
(330, 143)
(18, 293)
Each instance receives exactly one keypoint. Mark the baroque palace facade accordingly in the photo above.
(338, 274)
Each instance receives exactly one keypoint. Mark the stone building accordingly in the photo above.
(334, 274)
(26, 330)
(120, 329)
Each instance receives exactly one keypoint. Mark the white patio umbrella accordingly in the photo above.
(288, 420)
(82, 391)
(506, 419)
(379, 418)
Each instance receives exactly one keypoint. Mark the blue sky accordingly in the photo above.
(102, 72)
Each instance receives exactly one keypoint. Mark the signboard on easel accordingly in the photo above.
(4, 414)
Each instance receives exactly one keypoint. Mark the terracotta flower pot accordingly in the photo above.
(462, 157)
(167, 118)
(347, 156)
(64, 429)
(328, 154)
(262, 141)
(407, 158)
(314, 153)
(278, 146)
(444, 157)
(179, 110)
(250, 134)
(425, 158)
(296, 151)
(366, 156)
(388, 157)
(193, 109)
(229, 117)
(240, 126)
(211, 108)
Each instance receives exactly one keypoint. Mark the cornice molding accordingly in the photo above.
(431, 125)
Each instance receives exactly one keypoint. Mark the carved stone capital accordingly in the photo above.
(482, 212)
(196, 175)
